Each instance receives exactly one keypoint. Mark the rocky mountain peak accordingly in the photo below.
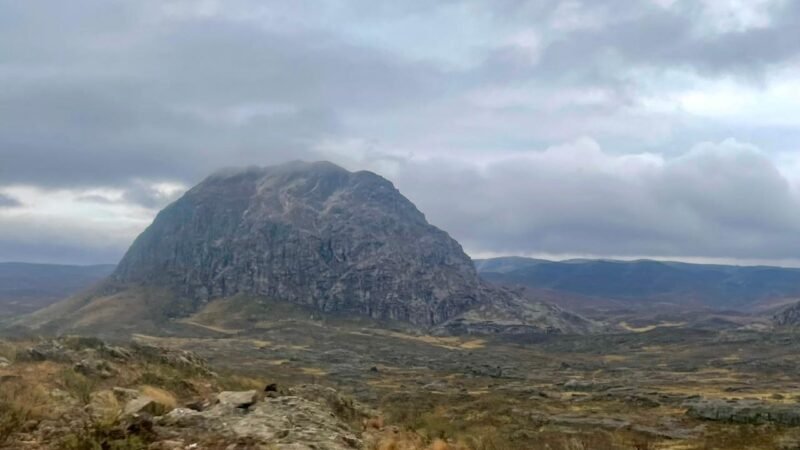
(310, 233)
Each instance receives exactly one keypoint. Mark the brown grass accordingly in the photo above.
(160, 396)
(20, 403)
(407, 440)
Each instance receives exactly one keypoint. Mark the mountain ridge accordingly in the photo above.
(25, 287)
(644, 282)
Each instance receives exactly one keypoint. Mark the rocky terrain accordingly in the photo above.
(314, 235)
(307, 307)
(255, 374)
(80, 393)
(788, 317)
(298, 384)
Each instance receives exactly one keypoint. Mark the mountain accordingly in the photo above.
(314, 235)
(609, 283)
(788, 317)
(26, 287)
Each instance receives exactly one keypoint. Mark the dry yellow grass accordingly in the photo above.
(209, 327)
(242, 383)
(177, 342)
(474, 344)
(450, 343)
(439, 444)
(160, 396)
(646, 328)
(106, 408)
(105, 309)
(34, 400)
(8, 350)
(313, 371)
(407, 440)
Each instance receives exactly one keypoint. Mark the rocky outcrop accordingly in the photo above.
(788, 317)
(317, 235)
(156, 401)
(283, 422)
(313, 234)
(744, 411)
(144, 404)
(241, 399)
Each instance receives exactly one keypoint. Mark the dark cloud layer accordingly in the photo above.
(722, 200)
(7, 201)
(520, 126)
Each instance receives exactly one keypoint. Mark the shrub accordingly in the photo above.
(97, 436)
(18, 404)
(78, 385)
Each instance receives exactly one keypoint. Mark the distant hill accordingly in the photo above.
(26, 287)
(610, 283)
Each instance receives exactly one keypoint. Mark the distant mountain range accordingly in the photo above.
(630, 284)
(26, 287)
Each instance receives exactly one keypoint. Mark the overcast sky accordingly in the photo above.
(605, 128)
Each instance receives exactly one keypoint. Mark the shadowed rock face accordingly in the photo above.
(310, 233)
(788, 317)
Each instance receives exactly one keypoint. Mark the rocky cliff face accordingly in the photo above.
(788, 317)
(310, 233)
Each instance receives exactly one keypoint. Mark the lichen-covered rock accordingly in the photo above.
(48, 351)
(94, 367)
(346, 408)
(744, 411)
(242, 399)
(144, 404)
(280, 422)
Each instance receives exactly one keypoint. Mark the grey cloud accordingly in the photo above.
(144, 194)
(718, 200)
(75, 242)
(635, 38)
(141, 95)
(177, 100)
(95, 198)
(124, 95)
(7, 201)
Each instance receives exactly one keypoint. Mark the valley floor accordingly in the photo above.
(668, 388)
(661, 388)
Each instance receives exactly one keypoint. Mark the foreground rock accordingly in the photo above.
(243, 399)
(146, 405)
(283, 422)
(81, 393)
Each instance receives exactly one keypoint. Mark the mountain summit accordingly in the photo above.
(310, 233)
(319, 236)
